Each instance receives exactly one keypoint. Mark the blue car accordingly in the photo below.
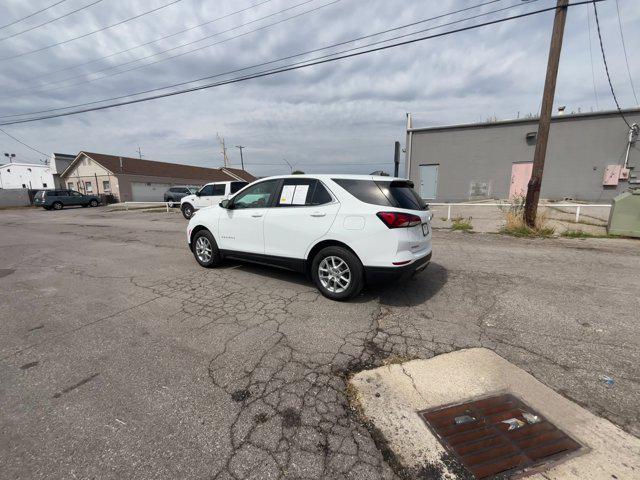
(58, 199)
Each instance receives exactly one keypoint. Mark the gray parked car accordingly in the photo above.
(58, 199)
(175, 194)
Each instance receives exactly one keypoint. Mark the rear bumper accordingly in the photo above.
(386, 274)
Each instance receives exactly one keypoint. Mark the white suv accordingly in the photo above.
(211, 194)
(342, 230)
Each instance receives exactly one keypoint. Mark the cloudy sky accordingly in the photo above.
(341, 116)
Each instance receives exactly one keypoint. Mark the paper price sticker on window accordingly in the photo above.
(294, 194)
(286, 197)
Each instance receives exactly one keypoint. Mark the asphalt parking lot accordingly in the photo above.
(122, 358)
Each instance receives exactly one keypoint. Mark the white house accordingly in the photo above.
(26, 175)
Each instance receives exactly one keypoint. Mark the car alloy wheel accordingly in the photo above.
(187, 211)
(334, 274)
(57, 206)
(204, 249)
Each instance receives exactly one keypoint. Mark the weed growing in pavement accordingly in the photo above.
(516, 226)
(463, 224)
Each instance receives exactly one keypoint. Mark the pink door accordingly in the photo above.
(520, 176)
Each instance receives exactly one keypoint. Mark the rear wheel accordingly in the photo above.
(205, 249)
(338, 273)
(169, 202)
(57, 205)
(93, 203)
(187, 211)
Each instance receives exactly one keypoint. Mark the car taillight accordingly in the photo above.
(399, 219)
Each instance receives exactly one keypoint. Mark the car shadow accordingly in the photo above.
(408, 292)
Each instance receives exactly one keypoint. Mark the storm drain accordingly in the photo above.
(499, 435)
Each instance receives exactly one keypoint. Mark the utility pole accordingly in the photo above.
(223, 150)
(396, 159)
(535, 183)
(241, 159)
(290, 166)
(139, 152)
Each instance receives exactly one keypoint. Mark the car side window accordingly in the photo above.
(218, 189)
(303, 192)
(206, 191)
(259, 195)
(75, 194)
(62, 193)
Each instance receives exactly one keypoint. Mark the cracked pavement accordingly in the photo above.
(122, 358)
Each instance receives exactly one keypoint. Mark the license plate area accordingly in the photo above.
(425, 229)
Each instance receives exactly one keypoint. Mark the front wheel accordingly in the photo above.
(169, 202)
(205, 249)
(93, 203)
(338, 273)
(187, 211)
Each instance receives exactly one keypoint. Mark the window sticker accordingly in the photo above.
(300, 195)
(286, 197)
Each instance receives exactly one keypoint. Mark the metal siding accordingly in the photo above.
(486, 154)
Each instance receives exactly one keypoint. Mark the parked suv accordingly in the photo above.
(175, 194)
(210, 194)
(58, 199)
(343, 230)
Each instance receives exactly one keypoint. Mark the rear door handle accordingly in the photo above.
(318, 214)
(256, 215)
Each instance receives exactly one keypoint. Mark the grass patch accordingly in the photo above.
(517, 227)
(462, 224)
(577, 234)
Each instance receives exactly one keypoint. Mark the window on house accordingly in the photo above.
(88, 187)
(24, 186)
(44, 185)
(106, 185)
(69, 185)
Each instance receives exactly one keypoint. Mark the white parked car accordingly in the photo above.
(211, 194)
(342, 230)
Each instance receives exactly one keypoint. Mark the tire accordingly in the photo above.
(205, 249)
(93, 203)
(57, 206)
(187, 211)
(328, 273)
(170, 202)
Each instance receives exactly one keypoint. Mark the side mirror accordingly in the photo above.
(225, 204)
(197, 193)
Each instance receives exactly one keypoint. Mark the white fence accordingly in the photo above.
(150, 204)
(577, 206)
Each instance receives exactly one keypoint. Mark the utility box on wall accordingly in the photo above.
(624, 218)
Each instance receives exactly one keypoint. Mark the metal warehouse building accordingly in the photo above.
(590, 156)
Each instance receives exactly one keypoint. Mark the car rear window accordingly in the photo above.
(235, 186)
(398, 193)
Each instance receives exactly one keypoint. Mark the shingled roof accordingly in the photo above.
(135, 166)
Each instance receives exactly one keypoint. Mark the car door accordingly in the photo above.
(218, 193)
(75, 198)
(303, 213)
(202, 197)
(240, 227)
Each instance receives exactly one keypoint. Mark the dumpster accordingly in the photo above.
(624, 218)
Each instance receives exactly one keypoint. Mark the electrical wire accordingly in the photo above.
(69, 40)
(138, 45)
(626, 58)
(31, 14)
(49, 21)
(129, 62)
(288, 68)
(208, 77)
(606, 67)
(22, 143)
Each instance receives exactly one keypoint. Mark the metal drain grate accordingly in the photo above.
(498, 435)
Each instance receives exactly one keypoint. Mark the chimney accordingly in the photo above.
(561, 110)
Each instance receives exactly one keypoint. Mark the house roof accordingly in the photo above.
(242, 174)
(136, 166)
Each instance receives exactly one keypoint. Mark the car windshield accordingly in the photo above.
(192, 190)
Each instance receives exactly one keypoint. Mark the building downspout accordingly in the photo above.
(633, 136)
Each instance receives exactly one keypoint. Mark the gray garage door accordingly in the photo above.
(148, 192)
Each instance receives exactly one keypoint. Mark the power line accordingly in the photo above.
(22, 143)
(49, 21)
(135, 46)
(624, 49)
(281, 59)
(69, 40)
(606, 67)
(286, 68)
(184, 45)
(31, 14)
